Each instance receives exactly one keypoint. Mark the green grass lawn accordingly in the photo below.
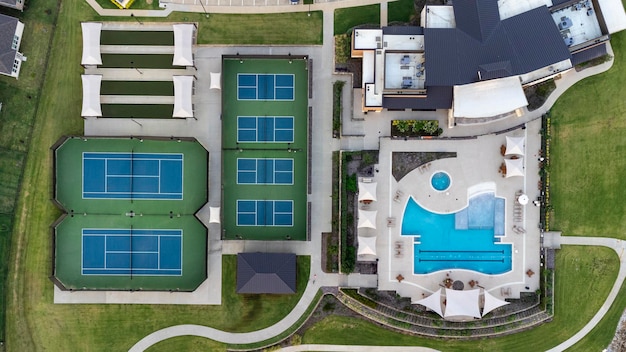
(400, 11)
(588, 150)
(347, 18)
(587, 272)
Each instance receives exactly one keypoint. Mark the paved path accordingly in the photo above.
(345, 348)
(618, 246)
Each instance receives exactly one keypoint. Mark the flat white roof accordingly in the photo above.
(614, 15)
(488, 98)
(403, 42)
(404, 70)
(577, 26)
(510, 8)
(368, 67)
(438, 16)
(366, 39)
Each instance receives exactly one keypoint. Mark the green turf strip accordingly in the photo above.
(165, 88)
(138, 111)
(137, 61)
(137, 38)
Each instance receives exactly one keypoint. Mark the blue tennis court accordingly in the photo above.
(132, 175)
(253, 86)
(265, 171)
(264, 213)
(251, 129)
(132, 252)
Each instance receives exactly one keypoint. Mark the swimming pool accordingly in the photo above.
(462, 240)
(440, 181)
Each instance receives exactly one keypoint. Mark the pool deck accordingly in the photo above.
(475, 169)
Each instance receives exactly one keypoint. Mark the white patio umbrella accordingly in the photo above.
(514, 167)
(367, 218)
(367, 191)
(514, 145)
(367, 245)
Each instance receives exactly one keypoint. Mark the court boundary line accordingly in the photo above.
(181, 236)
(293, 172)
(291, 201)
(256, 87)
(256, 129)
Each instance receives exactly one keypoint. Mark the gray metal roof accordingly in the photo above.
(589, 54)
(403, 30)
(8, 25)
(8, 2)
(514, 46)
(436, 98)
(266, 273)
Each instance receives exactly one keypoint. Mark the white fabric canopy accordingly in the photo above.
(492, 303)
(432, 302)
(462, 303)
(367, 191)
(367, 245)
(216, 80)
(91, 43)
(183, 92)
(514, 167)
(183, 44)
(367, 218)
(613, 14)
(514, 145)
(214, 217)
(91, 96)
(488, 98)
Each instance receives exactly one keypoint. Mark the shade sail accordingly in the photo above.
(433, 302)
(183, 92)
(367, 218)
(492, 303)
(91, 43)
(367, 245)
(489, 98)
(183, 44)
(367, 191)
(462, 303)
(514, 167)
(91, 96)
(216, 80)
(514, 145)
(214, 217)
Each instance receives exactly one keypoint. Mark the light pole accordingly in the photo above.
(137, 19)
(204, 8)
(132, 63)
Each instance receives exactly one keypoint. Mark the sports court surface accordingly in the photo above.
(265, 131)
(130, 221)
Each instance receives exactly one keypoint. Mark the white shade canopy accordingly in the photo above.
(492, 303)
(488, 98)
(367, 191)
(91, 96)
(367, 218)
(462, 303)
(433, 302)
(91, 43)
(522, 199)
(613, 15)
(514, 167)
(183, 44)
(514, 145)
(216, 80)
(214, 217)
(367, 245)
(183, 92)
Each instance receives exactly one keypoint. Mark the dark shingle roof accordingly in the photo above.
(7, 32)
(266, 273)
(436, 98)
(8, 2)
(516, 45)
(477, 18)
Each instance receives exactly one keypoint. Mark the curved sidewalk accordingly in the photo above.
(618, 246)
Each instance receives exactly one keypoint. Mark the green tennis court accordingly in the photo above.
(117, 263)
(130, 205)
(264, 160)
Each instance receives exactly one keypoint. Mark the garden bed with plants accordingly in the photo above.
(415, 128)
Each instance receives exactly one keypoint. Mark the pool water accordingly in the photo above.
(440, 181)
(440, 244)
